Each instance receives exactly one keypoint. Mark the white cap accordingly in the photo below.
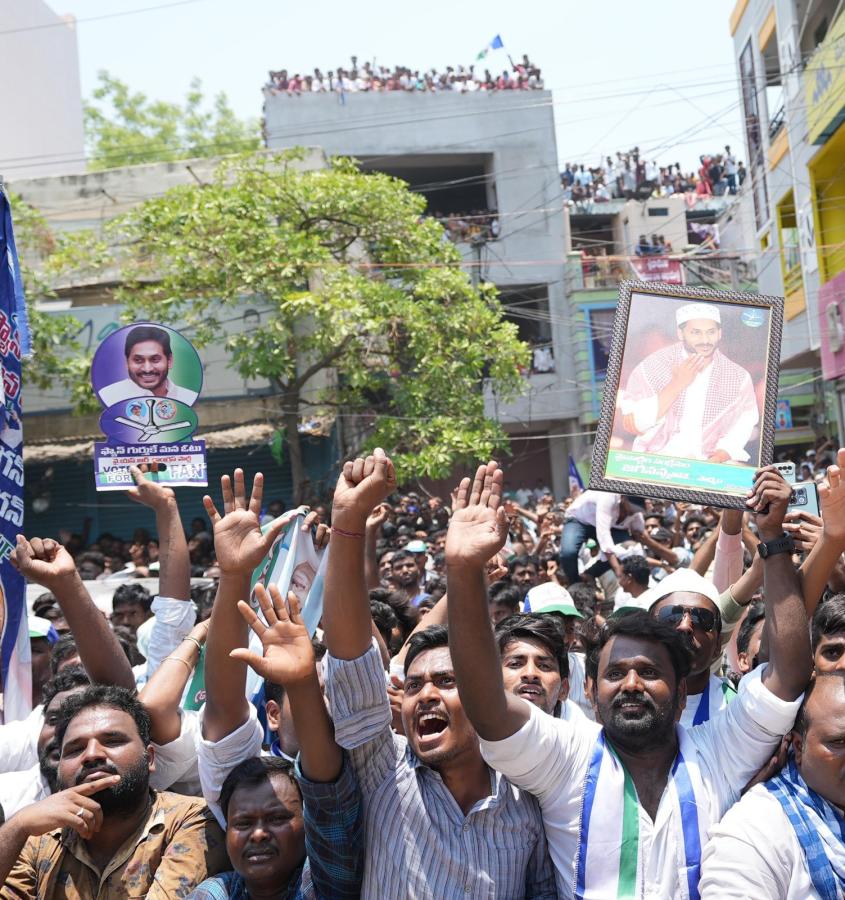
(698, 311)
(680, 581)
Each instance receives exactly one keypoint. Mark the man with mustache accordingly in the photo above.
(439, 823)
(105, 834)
(628, 801)
(689, 399)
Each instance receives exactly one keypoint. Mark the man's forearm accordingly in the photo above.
(494, 713)
(174, 560)
(816, 570)
(99, 650)
(12, 840)
(346, 603)
(704, 555)
(370, 559)
(226, 706)
(790, 654)
(320, 757)
(162, 694)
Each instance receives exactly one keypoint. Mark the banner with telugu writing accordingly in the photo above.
(658, 268)
(15, 659)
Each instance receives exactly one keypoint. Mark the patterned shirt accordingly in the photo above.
(334, 846)
(419, 842)
(177, 846)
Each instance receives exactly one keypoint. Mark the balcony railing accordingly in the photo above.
(593, 273)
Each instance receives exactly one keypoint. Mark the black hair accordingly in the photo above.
(583, 596)
(132, 593)
(639, 624)
(68, 679)
(274, 691)
(252, 772)
(427, 639)
(147, 333)
(662, 534)
(693, 518)
(44, 603)
(546, 628)
(505, 593)
(64, 648)
(756, 613)
(407, 614)
(524, 560)
(829, 618)
(109, 696)
(802, 719)
(399, 555)
(635, 501)
(385, 620)
(637, 567)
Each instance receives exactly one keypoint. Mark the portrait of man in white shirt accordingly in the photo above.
(149, 359)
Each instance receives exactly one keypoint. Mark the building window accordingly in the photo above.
(527, 306)
(601, 330)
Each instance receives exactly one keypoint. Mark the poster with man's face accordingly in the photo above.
(686, 402)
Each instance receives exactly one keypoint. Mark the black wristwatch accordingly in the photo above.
(783, 544)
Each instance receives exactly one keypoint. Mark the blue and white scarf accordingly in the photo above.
(610, 863)
(819, 828)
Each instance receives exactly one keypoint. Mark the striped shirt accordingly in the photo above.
(419, 842)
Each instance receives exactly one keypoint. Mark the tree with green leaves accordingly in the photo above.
(124, 127)
(362, 295)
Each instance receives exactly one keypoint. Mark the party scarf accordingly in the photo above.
(609, 863)
(820, 830)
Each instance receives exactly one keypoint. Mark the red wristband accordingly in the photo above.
(349, 534)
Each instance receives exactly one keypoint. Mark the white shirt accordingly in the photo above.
(549, 758)
(686, 441)
(717, 699)
(172, 621)
(577, 694)
(19, 789)
(601, 510)
(128, 390)
(753, 852)
(176, 763)
(19, 742)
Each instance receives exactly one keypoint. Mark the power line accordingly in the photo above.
(115, 15)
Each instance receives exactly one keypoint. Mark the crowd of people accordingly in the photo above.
(506, 695)
(631, 176)
(475, 225)
(522, 76)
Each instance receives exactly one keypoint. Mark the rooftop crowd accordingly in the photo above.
(522, 76)
(507, 695)
(631, 176)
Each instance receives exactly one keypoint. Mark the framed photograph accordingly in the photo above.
(690, 398)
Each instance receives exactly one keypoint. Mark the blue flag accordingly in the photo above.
(576, 483)
(15, 674)
(496, 43)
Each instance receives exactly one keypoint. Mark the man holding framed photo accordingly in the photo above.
(689, 399)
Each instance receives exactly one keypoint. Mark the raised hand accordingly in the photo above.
(769, 499)
(479, 526)
(362, 485)
(238, 542)
(806, 529)
(44, 561)
(378, 516)
(72, 808)
(832, 496)
(288, 655)
(149, 493)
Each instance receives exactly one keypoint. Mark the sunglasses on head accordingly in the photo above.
(700, 618)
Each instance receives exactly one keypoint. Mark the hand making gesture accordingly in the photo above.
(479, 526)
(363, 484)
(44, 561)
(238, 541)
(832, 496)
(147, 492)
(288, 655)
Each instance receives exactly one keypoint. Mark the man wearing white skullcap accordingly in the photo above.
(689, 399)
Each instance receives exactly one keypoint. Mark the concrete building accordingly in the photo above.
(41, 63)
(792, 84)
(233, 412)
(488, 159)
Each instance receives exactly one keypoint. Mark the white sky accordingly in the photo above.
(652, 73)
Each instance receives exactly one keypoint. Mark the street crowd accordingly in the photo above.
(631, 176)
(507, 695)
(522, 76)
